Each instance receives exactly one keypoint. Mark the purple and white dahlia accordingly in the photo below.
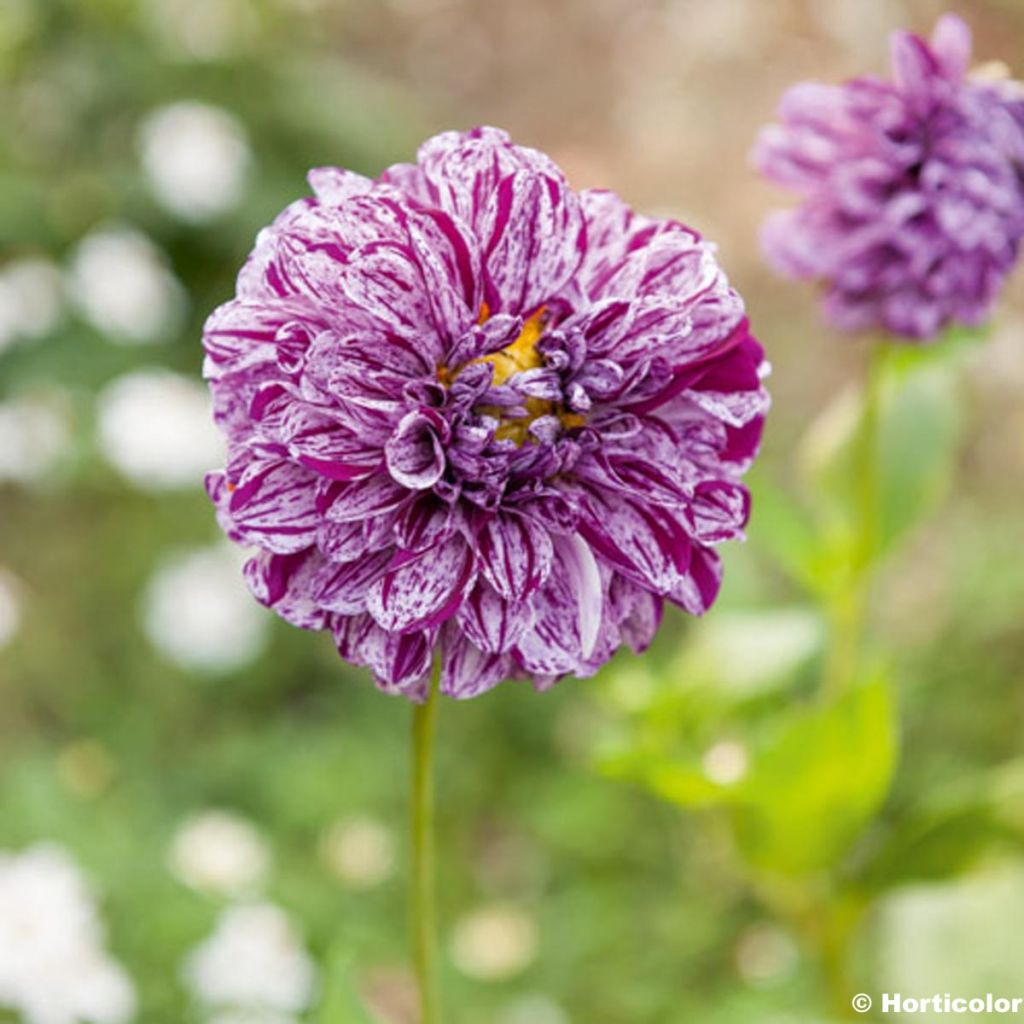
(912, 190)
(471, 411)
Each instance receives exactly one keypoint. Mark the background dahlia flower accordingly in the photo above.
(470, 409)
(912, 190)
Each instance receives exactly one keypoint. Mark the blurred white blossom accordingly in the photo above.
(750, 650)
(30, 300)
(219, 852)
(195, 157)
(360, 852)
(726, 762)
(494, 942)
(765, 954)
(53, 965)
(965, 931)
(199, 614)
(533, 1009)
(35, 433)
(122, 285)
(251, 1017)
(203, 29)
(254, 961)
(10, 607)
(155, 427)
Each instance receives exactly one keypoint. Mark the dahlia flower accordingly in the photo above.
(912, 190)
(469, 410)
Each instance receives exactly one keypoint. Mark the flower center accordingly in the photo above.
(521, 355)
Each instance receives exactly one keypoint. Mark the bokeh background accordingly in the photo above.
(202, 811)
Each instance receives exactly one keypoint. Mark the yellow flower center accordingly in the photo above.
(521, 355)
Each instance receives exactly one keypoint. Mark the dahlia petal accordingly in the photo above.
(491, 622)
(637, 612)
(350, 633)
(425, 592)
(424, 522)
(659, 483)
(534, 240)
(400, 661)
(585, 581)
(344, 587)
(528, 222)
(274, 505)
(650, 550)
(718, 512)
(341, 542)
(333, 185)
(697, 589)
(351, 500)
(426, 271)
(914, 68)
(514, 555)
(466, 671)
(554, 646)
(281, 582)
(415, 453)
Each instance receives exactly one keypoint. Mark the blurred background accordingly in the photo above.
(202, 810)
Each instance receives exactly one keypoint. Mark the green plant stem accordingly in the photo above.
(849, 606)
(424, 887)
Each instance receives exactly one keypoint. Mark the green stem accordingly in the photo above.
(848, 610)
(424, 891)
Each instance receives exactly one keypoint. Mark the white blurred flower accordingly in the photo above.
(10, 607)
(254, 960)
(53, 967)
(923, 931)
(155, 427)
(30, 300)
(195, 157)
(34, 435)
(203, 29)
(219, 852)
(726, 762)
(360, 852)
(764, 954)
(251, 1017)
(533, 1009)
(199, 614)
(750, 650)
(494, 942)
(122, 285)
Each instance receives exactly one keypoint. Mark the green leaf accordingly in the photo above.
(677, 781)
(934, 847)
(782, 528)
(919, 430)
(340, 1003)
(813, 788)
(919, 439)
(948, 836)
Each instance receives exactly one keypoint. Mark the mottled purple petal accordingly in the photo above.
(425, 592)
(514, 555)
(415, 452)
(491, 622)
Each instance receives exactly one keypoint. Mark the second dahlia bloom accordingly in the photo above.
(469, 409)
(912, 191)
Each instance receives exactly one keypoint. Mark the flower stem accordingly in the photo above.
(850, 605)
(424, 894)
